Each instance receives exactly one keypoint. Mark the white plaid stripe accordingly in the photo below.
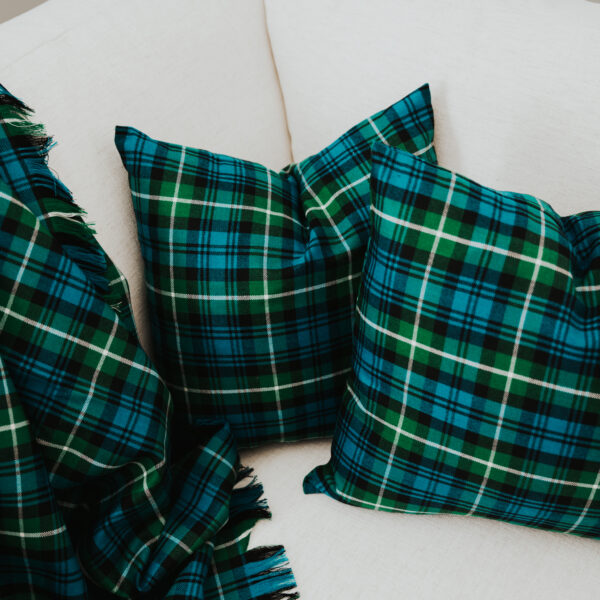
(216, 205)
(409, 367)
(252, 297)
(86, 402)
(259, 390)
(13, 426)
(376, 129)
(78, 341)
(472, 243)
(334, 227)
(217, 578)
(174, 200)
(593, 492)
(479, 365)
(19, 484)
(341, 191)
(97, 463)
(276, 387)
(481, 461)
(34, 534)
(513, 360)
(13, 292)
(132, 561)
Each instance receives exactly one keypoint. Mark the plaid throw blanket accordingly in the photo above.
(98, 497)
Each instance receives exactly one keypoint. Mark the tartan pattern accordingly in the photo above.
(252, 274)
(24, 150)
(97, 498)
(476, 377)
(28, 508)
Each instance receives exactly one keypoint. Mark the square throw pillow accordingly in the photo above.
(252, 275)
(475, 386)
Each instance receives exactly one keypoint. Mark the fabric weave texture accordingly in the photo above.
(476, 376)
(252, 274)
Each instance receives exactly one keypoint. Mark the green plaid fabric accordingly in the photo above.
(98, 499)
(252, 274)
(23, 150)
(476, 379)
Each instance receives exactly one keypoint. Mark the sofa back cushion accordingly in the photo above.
(514, 84)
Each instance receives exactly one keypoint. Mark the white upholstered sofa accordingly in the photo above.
(516, 94)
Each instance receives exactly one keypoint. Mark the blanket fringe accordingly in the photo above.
(53, 202)
(274, 567)
(266, 566)
(247, 503)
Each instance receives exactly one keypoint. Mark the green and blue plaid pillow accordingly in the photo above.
(476, 376)
(252, 274)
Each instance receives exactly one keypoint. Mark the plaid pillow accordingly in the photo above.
(476, 378)
(252, 274)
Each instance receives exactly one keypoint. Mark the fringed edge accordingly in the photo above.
(55, 204)
(31, 145)
(266, 566)
(247, 502)
(273, 566)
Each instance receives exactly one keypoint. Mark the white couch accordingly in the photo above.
(516, 93)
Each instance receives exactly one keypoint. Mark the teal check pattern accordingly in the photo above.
(98, 498)
(476, 378)
(252, 274)
(24, 147)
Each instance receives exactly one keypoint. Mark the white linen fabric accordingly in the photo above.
(195, 73)
(339, 551)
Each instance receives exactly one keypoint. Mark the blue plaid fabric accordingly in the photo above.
(98, 497)
(476, 379)
(252, 274)
(23, 148)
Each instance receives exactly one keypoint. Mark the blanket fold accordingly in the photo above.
(96, 498)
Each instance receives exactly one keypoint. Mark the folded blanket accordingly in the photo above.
(103, 491)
